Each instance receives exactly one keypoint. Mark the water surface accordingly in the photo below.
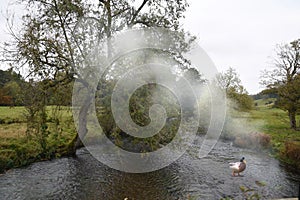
(83, 177)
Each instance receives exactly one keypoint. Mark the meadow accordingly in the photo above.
(19, 147)
(285, 142)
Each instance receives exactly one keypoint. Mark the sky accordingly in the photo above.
(235, 33)
(7, 8)
(243, 34)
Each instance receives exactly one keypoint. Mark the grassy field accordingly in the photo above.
(285, 142)
(11, 115)
(18, 148)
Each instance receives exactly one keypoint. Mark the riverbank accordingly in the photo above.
(266, 121)
(284, 140)
(18, 148)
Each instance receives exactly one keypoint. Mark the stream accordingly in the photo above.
(83, 177)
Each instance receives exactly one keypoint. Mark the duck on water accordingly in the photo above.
(238, 167)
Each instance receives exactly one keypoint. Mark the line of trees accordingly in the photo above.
(15, 91)
(10, 88)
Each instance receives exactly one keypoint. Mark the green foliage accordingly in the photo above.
(9, 76)
(44, 123)
(241, 101)
(10, 88)
(289, 98)
(284, 79)
(17, 149)
(18, 153)
(230, 82)
(139, 105)
(52, 50)
(265, 126)
(274, 122)
(60, 95)
(49, 27)
(16, 92)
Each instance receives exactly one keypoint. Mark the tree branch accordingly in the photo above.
(102, 1)
(137, 12)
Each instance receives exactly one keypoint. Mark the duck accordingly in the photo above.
(238, 167)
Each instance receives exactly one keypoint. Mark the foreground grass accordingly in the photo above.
(18, 148)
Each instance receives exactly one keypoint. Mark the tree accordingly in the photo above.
(35, 101)
(51, 50)
(9, 76)
(10, 88)
(284, 79)
(13, 89)
(230, 82)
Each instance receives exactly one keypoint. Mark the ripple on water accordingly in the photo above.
(84, 177)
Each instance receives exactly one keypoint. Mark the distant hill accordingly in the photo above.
(265, 98)
(263, 95)
(265, 102)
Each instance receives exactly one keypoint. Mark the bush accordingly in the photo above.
(264, 139)
(292, 151)
(253, 140)
(7, 157)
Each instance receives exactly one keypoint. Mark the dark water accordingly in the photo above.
(84, 177)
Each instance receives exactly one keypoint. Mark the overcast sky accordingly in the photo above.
(235, 33)
(243, 34)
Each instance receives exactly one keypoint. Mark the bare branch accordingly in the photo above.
(102, 1)
(137, 12)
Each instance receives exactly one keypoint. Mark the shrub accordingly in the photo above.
(264, 139)
(7, 157)
(292, 151)
(253, 140)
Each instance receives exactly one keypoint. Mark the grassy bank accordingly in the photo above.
(19, 148)
(264, 118)
(285, 141)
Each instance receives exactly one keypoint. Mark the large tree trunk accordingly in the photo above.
(292, 116)
(76, 143)
(82, 122)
